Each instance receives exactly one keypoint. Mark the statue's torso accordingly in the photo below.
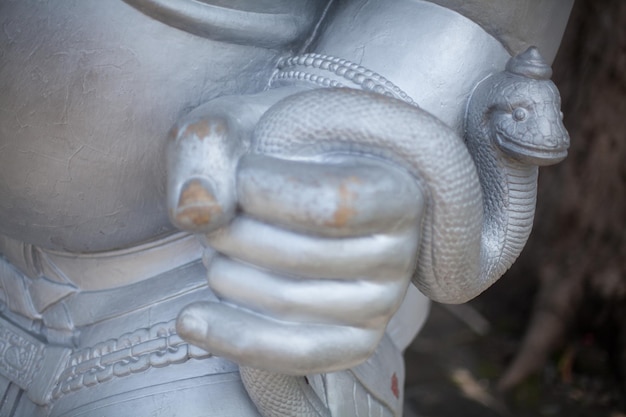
(90, 90)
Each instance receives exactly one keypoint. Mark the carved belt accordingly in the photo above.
(135, 352)
(29, 363)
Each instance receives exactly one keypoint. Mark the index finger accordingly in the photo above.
(350, 196)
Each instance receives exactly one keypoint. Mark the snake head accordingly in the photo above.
(528, 123)
(526, 118)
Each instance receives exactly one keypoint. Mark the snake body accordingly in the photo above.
(480, 189)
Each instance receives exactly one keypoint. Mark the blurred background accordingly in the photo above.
(549, 339)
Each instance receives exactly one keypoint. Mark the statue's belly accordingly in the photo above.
(89, 90)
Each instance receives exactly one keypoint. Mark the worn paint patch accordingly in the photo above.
(395, 389)
(346, 209)
(200, 129)
(196, 205)
(203, 129)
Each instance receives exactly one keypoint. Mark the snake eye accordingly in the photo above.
(519, 114)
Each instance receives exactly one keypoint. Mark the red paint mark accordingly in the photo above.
(394, 386)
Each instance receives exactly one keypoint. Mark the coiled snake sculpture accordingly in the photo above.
(481, 191)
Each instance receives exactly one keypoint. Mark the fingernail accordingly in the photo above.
(190, 327)
(197, 205)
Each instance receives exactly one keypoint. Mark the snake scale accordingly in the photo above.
(481, 189)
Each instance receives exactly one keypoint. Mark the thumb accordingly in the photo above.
(202, 154)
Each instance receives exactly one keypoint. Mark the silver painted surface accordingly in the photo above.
(266, 23)
(213, 394)
(433, 54)
(316, 247)
(25, 361)
(474, 214)
(519, 24)
(90, 89)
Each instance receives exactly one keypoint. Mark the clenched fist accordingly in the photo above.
(310, 257)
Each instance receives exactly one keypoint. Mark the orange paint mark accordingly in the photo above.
(201, 129)
(345, 208)
(196, 205)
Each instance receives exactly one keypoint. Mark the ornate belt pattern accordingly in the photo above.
(28, 362)
(33, 365)
(157, 346)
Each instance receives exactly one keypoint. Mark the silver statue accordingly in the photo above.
(332, 165)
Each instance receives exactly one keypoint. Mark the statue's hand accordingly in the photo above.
(313, 266)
